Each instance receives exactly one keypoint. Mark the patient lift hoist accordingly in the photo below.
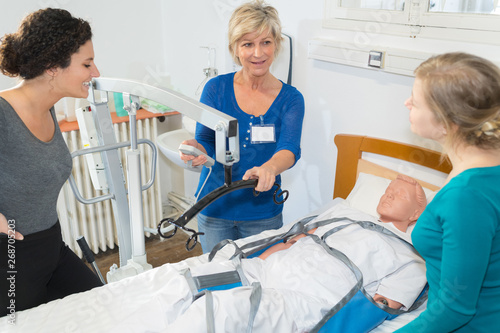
(128, 212)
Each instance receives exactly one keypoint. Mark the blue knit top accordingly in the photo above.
(286, 114)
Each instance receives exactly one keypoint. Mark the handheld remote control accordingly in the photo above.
(190, 150)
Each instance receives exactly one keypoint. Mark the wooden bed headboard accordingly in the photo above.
(349, 162)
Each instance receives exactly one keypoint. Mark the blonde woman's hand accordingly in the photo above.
(267, 172)
(199, 160)
(5, 229)
(266, 177)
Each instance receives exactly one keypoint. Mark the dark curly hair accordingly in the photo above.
(45, 39)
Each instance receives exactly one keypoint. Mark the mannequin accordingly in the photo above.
(401, 204)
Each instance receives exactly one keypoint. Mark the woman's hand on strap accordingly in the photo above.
(199, 160)
(5, 229)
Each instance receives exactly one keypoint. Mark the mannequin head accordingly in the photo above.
(402, 203)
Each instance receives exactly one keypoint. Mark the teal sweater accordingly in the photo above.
(459, 237)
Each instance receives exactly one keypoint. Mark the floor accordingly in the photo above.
(159, 251)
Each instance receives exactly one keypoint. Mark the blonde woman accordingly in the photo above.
(456, 101)
(269, 114)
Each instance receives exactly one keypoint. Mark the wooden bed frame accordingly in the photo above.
(350, 150)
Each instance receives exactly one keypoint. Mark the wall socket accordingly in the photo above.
(376, 59)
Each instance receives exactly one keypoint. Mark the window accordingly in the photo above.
(462, 20)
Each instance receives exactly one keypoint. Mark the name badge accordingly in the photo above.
(263, 133)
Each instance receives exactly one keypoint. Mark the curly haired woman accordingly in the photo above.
(53, 56)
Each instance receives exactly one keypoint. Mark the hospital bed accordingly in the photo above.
(365, 166)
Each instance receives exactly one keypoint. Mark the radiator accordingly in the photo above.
(96, 222)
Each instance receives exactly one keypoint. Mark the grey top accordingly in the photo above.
(32, 172)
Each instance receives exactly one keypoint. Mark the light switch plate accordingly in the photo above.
(376, 59)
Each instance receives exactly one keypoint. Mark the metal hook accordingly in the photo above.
(193, 239)
(284, 194)
(169, 220)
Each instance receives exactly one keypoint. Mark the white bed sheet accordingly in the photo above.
(136, 304)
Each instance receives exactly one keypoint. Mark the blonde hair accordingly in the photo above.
(419, 191)
(463, 92)
(255, 16)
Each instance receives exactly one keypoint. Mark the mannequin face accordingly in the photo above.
(399, 204)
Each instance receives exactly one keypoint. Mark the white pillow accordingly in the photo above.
(368, 190)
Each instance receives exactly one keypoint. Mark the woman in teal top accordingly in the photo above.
(456, 101)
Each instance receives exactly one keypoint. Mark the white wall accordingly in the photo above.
(164, 39)
(127, 34)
